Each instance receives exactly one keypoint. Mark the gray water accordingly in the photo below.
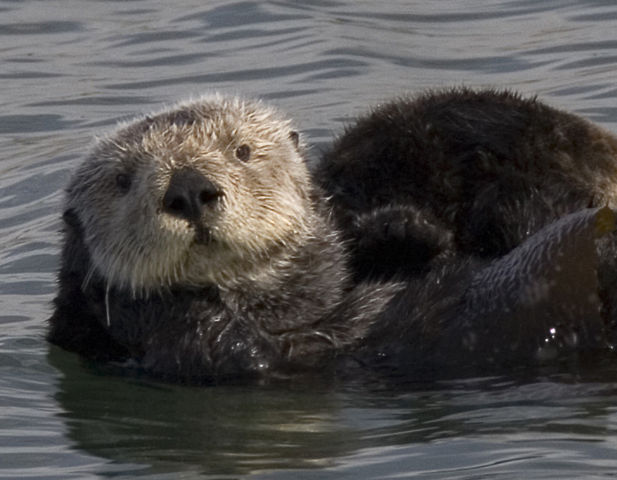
(71, 69)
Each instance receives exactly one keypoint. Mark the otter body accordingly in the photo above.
(197, 247)
(196, 244)
(461, 171)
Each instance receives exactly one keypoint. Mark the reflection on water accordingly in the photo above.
(246, 429)
(226, 429)
(72, 69)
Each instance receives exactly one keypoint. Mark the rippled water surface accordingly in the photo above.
(72, 69)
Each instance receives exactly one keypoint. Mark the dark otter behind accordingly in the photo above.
(463, 172)
(197, 247)
(474, 172)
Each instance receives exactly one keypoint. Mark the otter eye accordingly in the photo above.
(243, 152)
(123, 181)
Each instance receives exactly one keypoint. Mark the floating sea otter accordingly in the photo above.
(197, 246)
(460, 172)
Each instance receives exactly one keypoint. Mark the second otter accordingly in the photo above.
(466, 172)
(460, 170)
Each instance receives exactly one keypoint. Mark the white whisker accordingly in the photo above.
(107, 314)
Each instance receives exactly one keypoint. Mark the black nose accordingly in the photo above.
(188, 193)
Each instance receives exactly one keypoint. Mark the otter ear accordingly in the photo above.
(295, 138)
(123, 182)
(70, 218)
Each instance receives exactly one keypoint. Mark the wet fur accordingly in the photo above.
(461, 171)
(265, 291)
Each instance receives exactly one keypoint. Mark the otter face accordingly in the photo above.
(202, 194)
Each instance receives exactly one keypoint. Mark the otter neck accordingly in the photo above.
(301, 285)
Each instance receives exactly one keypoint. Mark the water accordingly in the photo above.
(72, 69)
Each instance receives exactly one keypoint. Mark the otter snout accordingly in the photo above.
(188, 193)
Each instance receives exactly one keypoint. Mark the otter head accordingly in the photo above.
(206, 193)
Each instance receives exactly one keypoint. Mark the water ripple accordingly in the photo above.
(288, 71)
(33, 123)
(40, 28)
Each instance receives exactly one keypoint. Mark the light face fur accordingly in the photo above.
(245, 149)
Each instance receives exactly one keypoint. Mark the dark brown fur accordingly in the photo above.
(465, 172)
(459, 170)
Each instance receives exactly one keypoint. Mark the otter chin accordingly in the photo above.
(198, 248)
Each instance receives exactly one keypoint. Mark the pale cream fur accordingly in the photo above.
(264, 212)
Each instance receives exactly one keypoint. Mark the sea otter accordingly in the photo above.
(198, 248)
(465, 172)
(196, 243)
(461, 170)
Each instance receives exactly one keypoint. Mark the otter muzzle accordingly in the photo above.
(188, 193)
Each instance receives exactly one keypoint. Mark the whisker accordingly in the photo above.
(107, 305)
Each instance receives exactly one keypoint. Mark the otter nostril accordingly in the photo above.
(188, 193)
(207, 196)
(177, 204)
